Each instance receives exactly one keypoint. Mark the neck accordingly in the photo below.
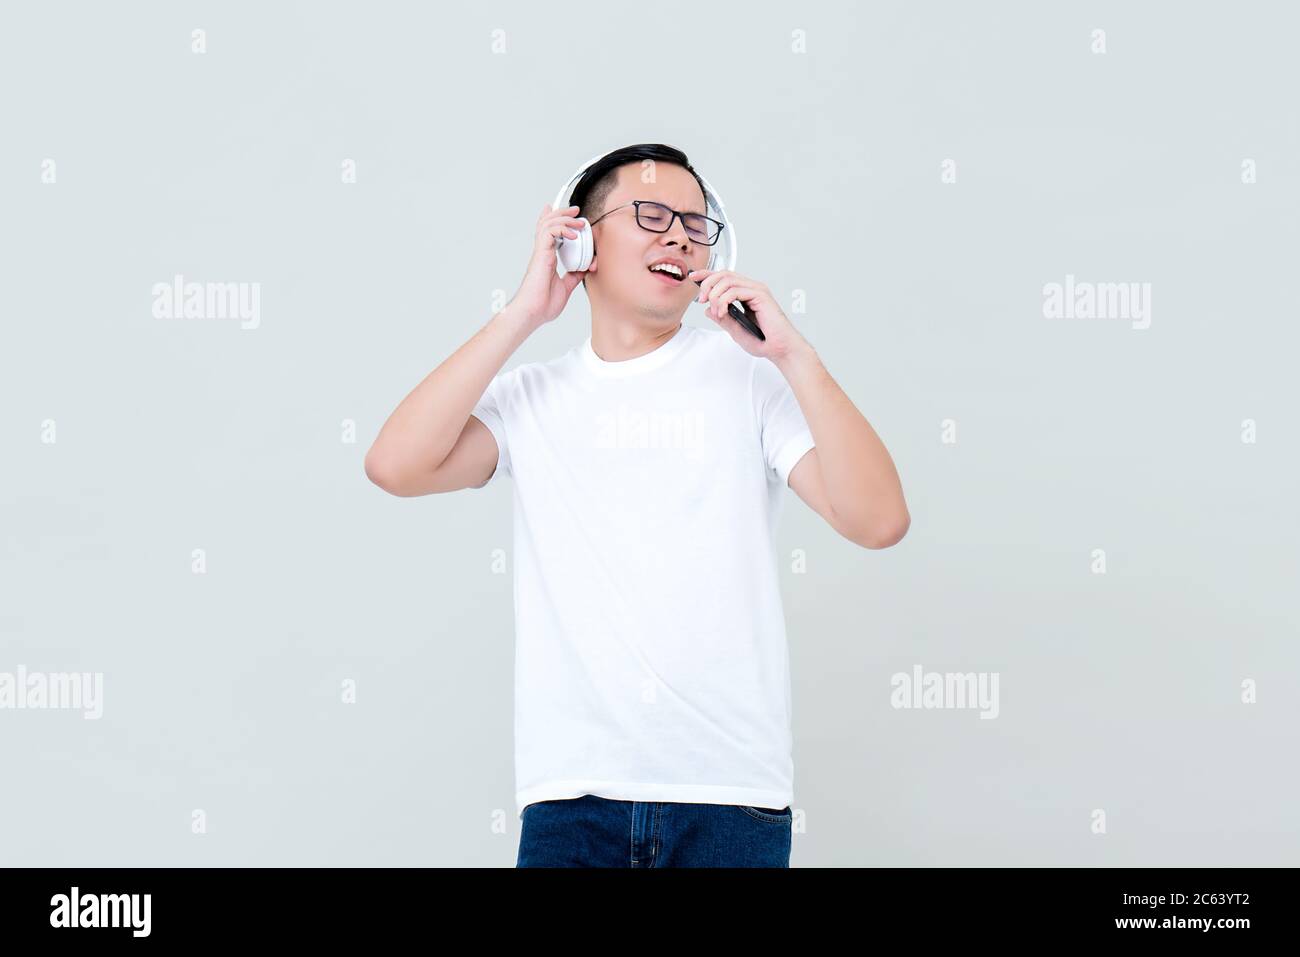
(617, 335)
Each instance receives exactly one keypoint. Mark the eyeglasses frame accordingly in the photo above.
(676, 214)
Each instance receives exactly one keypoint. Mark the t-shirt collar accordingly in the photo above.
(639, 364)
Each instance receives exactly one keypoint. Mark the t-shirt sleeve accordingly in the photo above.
(785, 435)
(488, 411)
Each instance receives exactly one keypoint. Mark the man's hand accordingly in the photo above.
(722, 286)
(542, 293)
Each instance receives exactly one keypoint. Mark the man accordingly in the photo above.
(652, 687)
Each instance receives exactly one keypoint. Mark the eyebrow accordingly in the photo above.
(703, 212)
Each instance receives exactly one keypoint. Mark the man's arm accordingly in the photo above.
(848, 478)
(431, 443)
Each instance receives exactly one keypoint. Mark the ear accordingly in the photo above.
(581, 277)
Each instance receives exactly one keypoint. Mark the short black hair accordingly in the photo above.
(595, 185)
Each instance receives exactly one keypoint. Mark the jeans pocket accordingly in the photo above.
(769, 815)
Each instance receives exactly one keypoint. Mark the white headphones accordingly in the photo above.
(575, 255)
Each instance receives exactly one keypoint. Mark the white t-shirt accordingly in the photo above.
(650, 648)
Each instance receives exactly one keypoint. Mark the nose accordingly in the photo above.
(678, 235)
(678, 232)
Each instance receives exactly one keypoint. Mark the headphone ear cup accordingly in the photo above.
(574, 255)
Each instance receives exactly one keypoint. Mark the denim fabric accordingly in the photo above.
(592, 831)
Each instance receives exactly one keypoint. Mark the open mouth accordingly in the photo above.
(669, 271)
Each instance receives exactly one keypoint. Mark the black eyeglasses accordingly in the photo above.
(658, 218)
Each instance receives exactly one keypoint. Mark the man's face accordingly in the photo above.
(625, 250)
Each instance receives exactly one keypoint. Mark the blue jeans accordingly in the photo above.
(591, 831)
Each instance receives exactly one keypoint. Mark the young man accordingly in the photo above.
(652, 687)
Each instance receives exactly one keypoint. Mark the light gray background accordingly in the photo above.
(222, 691)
